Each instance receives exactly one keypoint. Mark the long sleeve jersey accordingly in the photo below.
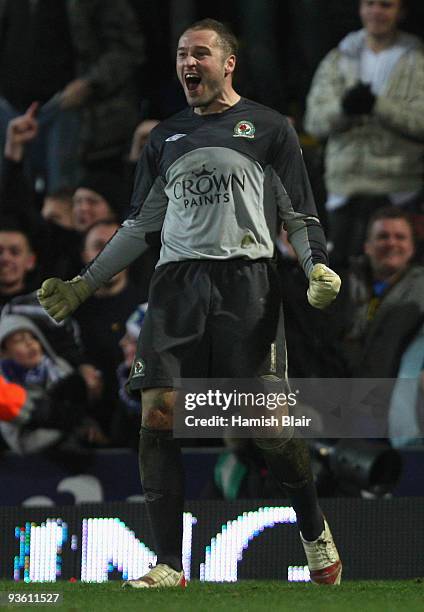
(218, 187)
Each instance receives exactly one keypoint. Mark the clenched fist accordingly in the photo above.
(324, 285)
(60, 298)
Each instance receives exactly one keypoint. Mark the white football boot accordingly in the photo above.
(160, 576)
(324, 562)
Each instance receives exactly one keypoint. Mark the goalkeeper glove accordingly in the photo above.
(324, 285)
(60, 298)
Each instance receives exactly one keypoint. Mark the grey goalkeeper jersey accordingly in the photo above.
(217, 187)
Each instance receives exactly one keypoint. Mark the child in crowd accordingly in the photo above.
(44, 399)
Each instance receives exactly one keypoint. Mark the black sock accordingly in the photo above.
(162, 477)
(290, 465)
(309, 516)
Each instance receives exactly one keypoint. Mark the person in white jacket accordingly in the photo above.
(367, 101)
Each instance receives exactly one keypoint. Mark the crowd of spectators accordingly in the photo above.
(72, 127)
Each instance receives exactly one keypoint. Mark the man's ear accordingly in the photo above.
(84, 256)
(31, 261)
(366, 248)
(230, 64)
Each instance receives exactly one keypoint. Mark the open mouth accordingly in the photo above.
(192, 81)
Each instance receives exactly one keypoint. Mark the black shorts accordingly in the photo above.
(211, 319)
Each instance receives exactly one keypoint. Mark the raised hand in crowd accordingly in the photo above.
(20, 131)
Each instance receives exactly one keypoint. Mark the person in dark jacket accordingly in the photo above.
(79, 60)
(381, 306)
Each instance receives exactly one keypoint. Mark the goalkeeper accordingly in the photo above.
(215, 182)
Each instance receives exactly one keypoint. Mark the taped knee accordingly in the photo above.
(154, 436)
(274, 388)
(290, 463)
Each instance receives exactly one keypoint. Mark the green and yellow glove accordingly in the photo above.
(60, 298)
(324, 285)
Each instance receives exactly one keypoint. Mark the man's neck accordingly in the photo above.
(388, 277)
(12, 290)
(381, 43)
(226, 100)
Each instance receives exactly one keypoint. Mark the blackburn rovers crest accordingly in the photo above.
(244, 129)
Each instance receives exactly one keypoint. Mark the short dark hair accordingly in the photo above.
(390, 212)
(9, 224)
(227, 39)
(404, 4)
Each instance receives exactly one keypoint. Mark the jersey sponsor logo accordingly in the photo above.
(175, 137)
(207, 186)
(244, 129)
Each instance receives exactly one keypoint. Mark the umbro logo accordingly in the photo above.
(175, 137)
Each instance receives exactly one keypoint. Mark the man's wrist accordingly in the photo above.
(87, 277)
(14, 152)
(81, 288)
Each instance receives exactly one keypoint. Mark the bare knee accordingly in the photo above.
(158, 408)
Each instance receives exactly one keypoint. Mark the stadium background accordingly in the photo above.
(383, 538)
